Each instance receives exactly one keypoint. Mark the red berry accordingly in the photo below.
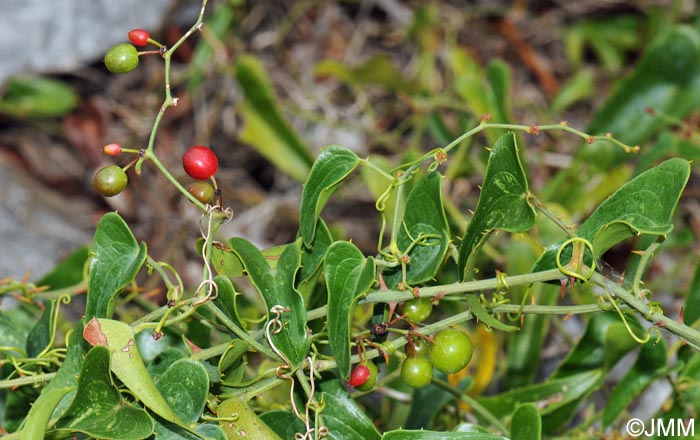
(139, 37)
(359, 376)
(200, 162)
(112, 149)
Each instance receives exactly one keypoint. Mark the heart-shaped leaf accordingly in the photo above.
(99, 409)
(127, 365)
(503, 203)
(344, 419)
(332, 165)
(348, 276)
(424, 231)
(644, 205)
(116, 258)
(277, 288)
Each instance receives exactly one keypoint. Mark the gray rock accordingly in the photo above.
(42, 36)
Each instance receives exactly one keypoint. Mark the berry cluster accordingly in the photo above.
(449, 351)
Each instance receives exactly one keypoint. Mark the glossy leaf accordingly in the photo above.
(349, 275)
(332, 165)
(285, 423)
(41, 335)
(424, 231)
(650, 366)
(116, 259)
(553, 393)
(36, 97)
(264, 126)
(38, 418)
(312, 257)
(239, 421)
(402, 434)
(67, 374)
(226, 300)
(185, 386)
(503, 203)
(344, 419)
(526, 423)
(644, 205)
(99, 410)
(127, 365)
(666, 79)
(68, 272)
(277, 288)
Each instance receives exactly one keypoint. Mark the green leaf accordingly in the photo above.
(526, 423)
(116, 259)
(67, 374)
(349, 275)
(38, 418)
(332, 165)
(644, 205)
(424, 231)
(36, 97)
(68, 272)
(239, 421)
(284, 423)
(503, 203)
(344, 419)
(42, 334)
(312, 257)
(277, 288)
(127, 365)
(650, 366)
(692, 299)
(226, 299)
(185, 386)
(553, 393)
(99, 409)
(264, 127)
(485, 317)
(377, 70)
(421, 415)
(402, 434)
(666, 79)
(604, 342)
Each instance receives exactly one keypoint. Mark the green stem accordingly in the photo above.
(27, 380)
(689, 335)
(464, 287)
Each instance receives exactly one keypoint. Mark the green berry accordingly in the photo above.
(451, 351)
(372, 379)
(417, 372)
(201, 191)
(122, 58)
(418, 309)
(417, 347)
(110, 181)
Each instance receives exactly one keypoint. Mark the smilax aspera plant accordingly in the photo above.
(315, 324)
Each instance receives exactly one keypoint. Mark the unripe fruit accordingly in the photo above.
(139, 37)
(371, 379)
(112, 149)
(200, 162)
(418, 309)
(110, 181)
(201, 191)
(417, 347)
(451, 351)
(122, 58)
(417, 372)
(359, 376)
